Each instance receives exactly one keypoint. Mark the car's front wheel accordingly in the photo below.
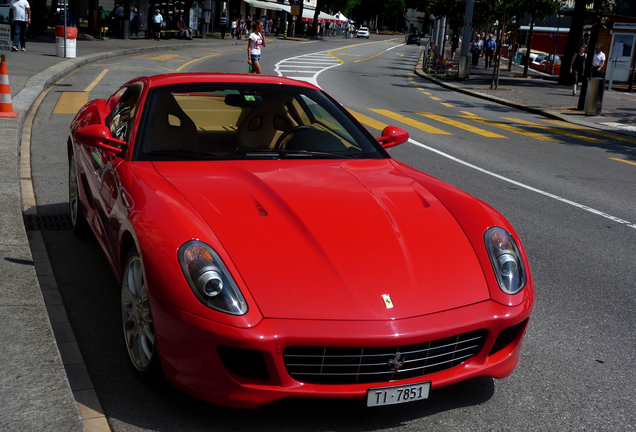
(139, 333)
(78, 220)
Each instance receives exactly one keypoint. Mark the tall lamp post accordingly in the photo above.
(556, 42)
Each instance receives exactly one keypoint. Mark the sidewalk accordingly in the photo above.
(44, 385)
(540, 93)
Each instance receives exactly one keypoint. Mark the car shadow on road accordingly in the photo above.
(91, 297)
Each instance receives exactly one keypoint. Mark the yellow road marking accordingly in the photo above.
(507, 127)
(351, 46)
(164, 57)
(554, 130)
(427, 93)
(461, 125)
(96, 81)
(368, 121)
(592, 131)
(623, 160)
(70, 102)
(448, 105)
(435, 98)
(179, 69)
(411, 122)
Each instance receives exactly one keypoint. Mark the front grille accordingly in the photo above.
(334, 365)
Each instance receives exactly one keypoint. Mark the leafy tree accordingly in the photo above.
(329, 6)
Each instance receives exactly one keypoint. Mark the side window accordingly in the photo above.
(121, 117)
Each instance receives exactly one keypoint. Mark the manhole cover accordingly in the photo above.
(47, 222)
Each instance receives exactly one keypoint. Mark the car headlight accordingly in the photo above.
(209, 279)
(506, 260)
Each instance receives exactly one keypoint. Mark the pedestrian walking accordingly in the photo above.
(489, 52)
(223, 24)
(454, 45)
(599, 60)
(577, 66)
(257, 39)
(476, 48)
(157, 20)
(233, 27)
(20, 17)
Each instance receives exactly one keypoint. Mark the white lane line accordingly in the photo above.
(530, 188)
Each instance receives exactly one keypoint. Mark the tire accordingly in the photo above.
(78, 220)
(138, 326)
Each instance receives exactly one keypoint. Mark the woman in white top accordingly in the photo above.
(257, 38)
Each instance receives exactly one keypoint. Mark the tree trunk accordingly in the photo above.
(596, 27)
(573, 42)
(501, 31)
(528, 49)
(513, 44)
(314, 25)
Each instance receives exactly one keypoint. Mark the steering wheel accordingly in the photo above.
(288, 132)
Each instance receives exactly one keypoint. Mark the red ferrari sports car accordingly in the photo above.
(268, 247)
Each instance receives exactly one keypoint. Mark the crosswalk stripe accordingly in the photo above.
(554, 130)
(464, 126)
(416, 124)
(507, 127)
(368, 121)
(592, 131)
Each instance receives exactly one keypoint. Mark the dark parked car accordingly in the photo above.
(412, 39)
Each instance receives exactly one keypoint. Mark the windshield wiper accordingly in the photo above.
(282, 154)
(181, 153)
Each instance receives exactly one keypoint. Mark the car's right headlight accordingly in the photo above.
(210, 279)
(506, 260)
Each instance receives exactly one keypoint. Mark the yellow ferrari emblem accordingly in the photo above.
(387, 301)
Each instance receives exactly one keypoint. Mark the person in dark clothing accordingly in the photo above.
(577, 66)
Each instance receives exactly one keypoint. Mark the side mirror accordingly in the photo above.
(392, 136)
(99, 136)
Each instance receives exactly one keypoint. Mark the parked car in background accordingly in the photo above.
(412, 39)
(363, 32)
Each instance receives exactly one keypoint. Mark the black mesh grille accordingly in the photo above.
(332, 365)
(506, 337)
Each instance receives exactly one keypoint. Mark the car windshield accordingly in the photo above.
(246, 121)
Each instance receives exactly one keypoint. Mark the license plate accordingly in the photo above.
(397, 394)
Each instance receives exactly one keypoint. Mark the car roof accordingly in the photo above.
(184, 78)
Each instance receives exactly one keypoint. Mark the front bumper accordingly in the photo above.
(189, 351)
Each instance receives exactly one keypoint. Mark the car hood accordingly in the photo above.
(328, 239)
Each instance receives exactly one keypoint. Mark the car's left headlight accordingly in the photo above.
(209, 278)
(506, 260)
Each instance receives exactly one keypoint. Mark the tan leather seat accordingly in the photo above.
(170, 127)
(263, 125)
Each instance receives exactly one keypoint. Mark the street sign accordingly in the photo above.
(5, 29)
(295, 7)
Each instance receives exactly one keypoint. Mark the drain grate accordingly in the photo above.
(47, 222)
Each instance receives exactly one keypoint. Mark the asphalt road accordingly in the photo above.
(568, 197)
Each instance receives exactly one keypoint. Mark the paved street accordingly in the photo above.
(44, 386)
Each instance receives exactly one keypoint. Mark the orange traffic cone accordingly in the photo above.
(6, 108)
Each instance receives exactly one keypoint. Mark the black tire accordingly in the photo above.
(138, 326)
(78, 220)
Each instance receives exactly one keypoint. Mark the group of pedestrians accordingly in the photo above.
(577, 64)
(480, 49)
